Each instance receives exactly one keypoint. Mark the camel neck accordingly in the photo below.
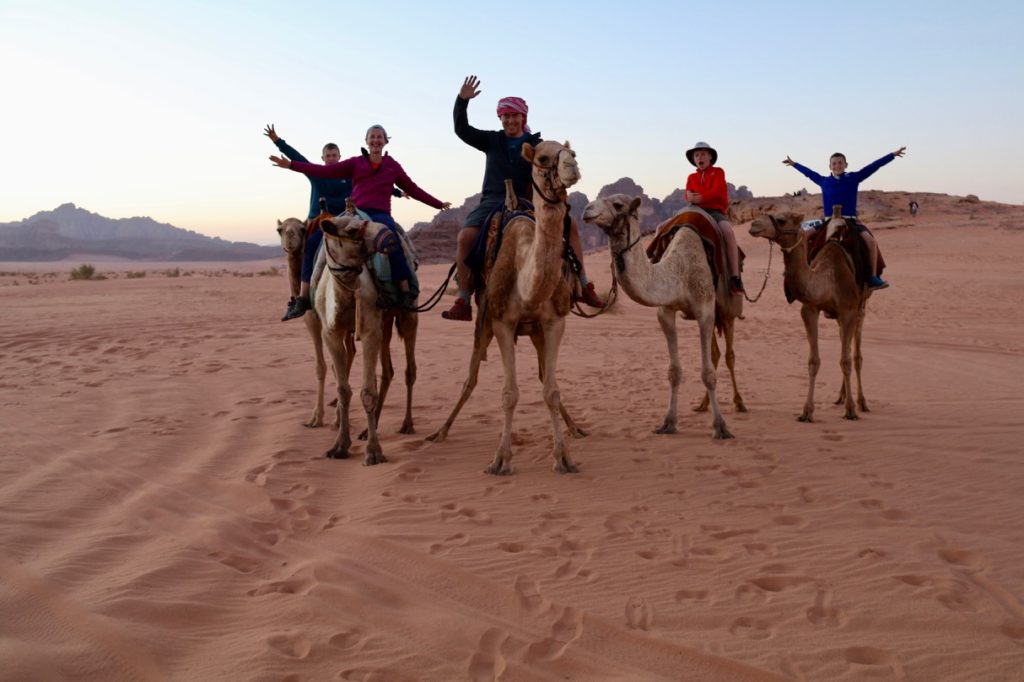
(636, 273)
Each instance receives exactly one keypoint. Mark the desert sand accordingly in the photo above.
(164, 515)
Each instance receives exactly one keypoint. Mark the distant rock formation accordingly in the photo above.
(66, 230)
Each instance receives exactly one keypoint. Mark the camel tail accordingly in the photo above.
(398, 326)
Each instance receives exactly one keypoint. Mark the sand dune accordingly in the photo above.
(164, 515)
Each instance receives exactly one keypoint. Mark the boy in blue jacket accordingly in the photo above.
(840, 188)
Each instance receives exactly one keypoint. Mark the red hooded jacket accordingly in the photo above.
(710, 184)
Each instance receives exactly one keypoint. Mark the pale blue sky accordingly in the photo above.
(146, 108)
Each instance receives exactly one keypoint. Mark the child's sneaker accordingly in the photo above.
(877, 282)
(297, 307)
(461, 311)
(736, 285)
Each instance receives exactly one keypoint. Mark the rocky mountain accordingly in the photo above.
(435, 240)
(69, 230)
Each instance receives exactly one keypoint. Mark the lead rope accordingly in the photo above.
(767, 270)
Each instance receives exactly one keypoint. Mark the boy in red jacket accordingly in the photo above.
(707, 189)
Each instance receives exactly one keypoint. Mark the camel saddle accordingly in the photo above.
(710, 235)
(484, 253)
(848, 237)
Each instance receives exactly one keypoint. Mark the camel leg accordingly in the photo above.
(340, 360)
(809, 314)
(730, 362)
(708, 375)
(387, 368)
(371, 341)
(314, 327)
(573, 429)
(715, 355)
(847, 327)
(858, 359)
(479, 352)
(553, 333)
(505, 335)
(410, 324)
(667, 320)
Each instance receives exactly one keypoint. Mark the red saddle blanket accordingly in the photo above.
(704, 226)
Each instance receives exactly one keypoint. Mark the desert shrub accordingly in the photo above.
(269, 272)
(84, 271)
(136, 275)
(176, 272)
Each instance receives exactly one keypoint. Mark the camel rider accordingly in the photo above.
(335, 191)
(373, 174)
(503, 161)
(707, 189)
(841, 188)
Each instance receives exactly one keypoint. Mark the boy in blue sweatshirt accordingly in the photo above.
(841, 188)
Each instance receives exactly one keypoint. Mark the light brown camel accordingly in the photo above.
(681, 281)
(348, 243)
(527, 294)
(827, 285)
(293, 240)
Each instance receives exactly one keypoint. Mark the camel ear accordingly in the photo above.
(329, 227)
(634, 205)
(566, 145)
(280, 227)
(527, 151)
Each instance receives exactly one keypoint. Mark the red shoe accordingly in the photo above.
(589, 296)
(461, 311)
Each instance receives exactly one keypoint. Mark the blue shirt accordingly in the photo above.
(842, 190)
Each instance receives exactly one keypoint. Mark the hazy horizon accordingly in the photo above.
(158, 110)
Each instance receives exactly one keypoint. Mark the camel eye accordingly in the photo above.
(617, 204)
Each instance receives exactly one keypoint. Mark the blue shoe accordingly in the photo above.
(877, 282)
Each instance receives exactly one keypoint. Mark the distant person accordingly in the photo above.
(373, 173)
(335, 191)
(913, 208)
(841, 188)
(504, 161)
(707, 189)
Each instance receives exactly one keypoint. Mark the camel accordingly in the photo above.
(293, 240)
(348, 242)
(680, 282)
(527, 294)
(827, 285)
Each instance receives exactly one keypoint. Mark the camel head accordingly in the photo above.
(554, 166)
(293, 234)
(784, 229)
(612, 214)
(345, 242)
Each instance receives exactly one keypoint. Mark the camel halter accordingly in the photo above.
(620, 260)
(778, 230)
(339, 270)
(550, 173)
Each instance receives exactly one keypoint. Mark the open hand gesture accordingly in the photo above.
(280, 162)
(899, 152)
(446, 205)
(470, 88)
(788, 161)
(269, 132)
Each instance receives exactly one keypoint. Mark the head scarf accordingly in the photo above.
(514, 105)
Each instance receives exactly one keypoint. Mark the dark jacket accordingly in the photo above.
(494, 143)
(336, 191)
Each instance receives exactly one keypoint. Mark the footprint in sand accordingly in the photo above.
(375, 675)
(1014, 629)
(789, 520)
(822, 613)
(294, 645)
(348, 640)
(691, 595)
(566, 630)
(450, 511)
(238, 562)
(448, 544)
(914, 580)
(780, 583)
(962, 558)
(488, 663)
(258, 475)
(530, 597)
(639, 614)
(300, 583)
(511, 547)
(751, 628)
(874, 657)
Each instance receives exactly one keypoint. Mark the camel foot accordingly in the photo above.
(373, 458)
(564, 465)
(722, 432)
(337, 453)
(740, 406)
(499, 467)
(667, 427)
(315, 422)
(576, 432)
(805, 417)
(702, 406)
(862, 405)
(438, 436)
(852, 416)
(840, 400)
(407, 428)
(362, 435)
